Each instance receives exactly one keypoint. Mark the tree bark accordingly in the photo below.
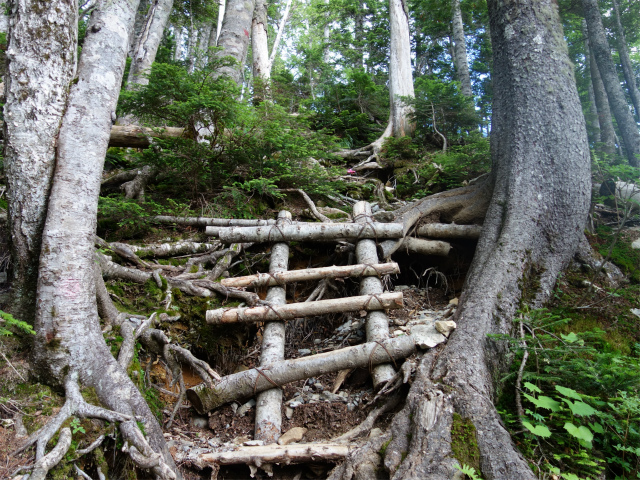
(368, 302)
(460, 50)
(627, 68)
(68, 337)
(260, 51)
(449, 230)
(593, 124)
(132, 136)
(234, 37)
(208, 221)
(41, 45)
(600, 47)
(244, 384)
(287, 454)
(607, 132)
(541, 185)
(400, 76)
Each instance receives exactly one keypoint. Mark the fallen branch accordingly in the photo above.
(207, 221)
(383, 301)
(244, 384)
(312, 206)
(415, 245)
(282, 454)
(268, 279)
(449, 230)
(132, 136)
(308, 232)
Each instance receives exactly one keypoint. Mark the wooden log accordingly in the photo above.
(244, 384)
(416, 245)
(383, 301)
(207, 221)
(308, 232)
(269, 279)
(133, 136)
(281, 454)
(268, 422)
(449, 230)
(377, 323)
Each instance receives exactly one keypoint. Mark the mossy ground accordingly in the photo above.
(464, 444)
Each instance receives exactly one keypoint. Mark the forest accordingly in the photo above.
(320, 239)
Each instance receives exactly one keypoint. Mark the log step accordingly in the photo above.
(280, 454)
(269, 280)
(382, 301)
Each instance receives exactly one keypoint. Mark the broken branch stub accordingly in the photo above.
(307, 232)
(249, 382)
(383, 301)
(268, 279)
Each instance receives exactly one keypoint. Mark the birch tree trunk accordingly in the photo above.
(260, 51)
(400, 76)
(535, 220)
(593, 124)
(460, 50)
(234, 37)
(41, 58)
(139, 24)
(68, 339)
(620, 108)
(147, 43)
(627, 68)
(221, 13)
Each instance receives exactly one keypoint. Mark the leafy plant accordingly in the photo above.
(469, 471)
(8, 323)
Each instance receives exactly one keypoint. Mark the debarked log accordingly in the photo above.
(308, 232)
(133, 136)
(249, 382)
(382, 301)
(416, 245)
(449, 230)
(268, 280)
(281, 454)
(208, 221)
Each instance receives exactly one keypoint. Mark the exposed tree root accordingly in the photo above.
(312, 206)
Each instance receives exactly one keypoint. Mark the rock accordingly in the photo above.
(454, 301)
(351, 407)
(295, 403)
(199, 422)
(315, 397)
(253, 443)
(445, 327)
(318, 386)
(383, 217)
(317, 341)
(288, 411)
(636, 312)
(245, 408)
(375, 432)
(304, 351)
(397, 333)
(426, 336)
(294, 435)
(636, 245)
(240, 440)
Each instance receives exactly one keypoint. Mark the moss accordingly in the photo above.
(383, 448)
(464, 444)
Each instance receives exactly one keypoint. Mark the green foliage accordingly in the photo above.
(625, 257)
(580, 400)
(468, 471)
(76, 427)
(464, 444)
(8, 325)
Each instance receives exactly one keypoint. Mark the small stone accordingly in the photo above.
(304, 351)
(315, 397)
(293, 435)
(636, 245)
(400, 288)
(454, 301)
(636, 312)
(383, 216)
(397, 333)
(375, 432)
(317, 341)
(351, 407)
(318, 386)
(288, 411)
(426, 336)
(445, 327)
(254, 443)
(199, 422)
(245, 408)
(295, 403)
(240, 440)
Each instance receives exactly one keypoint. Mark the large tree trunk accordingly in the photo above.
(234, 37)
(69, 342)
(260, 51)
(593, 124)
(400, 76)
(627, 68)
(619, 107)
(533, 225)
(32, 114)
(460, 50)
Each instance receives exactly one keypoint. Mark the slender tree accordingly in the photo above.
(617, 102)
(627, 68)
(539, 198)
(234, 37)
(460, 49)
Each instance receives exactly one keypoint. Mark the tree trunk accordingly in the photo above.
(139, 25)
(400, 76)
(68, 338)
(221, 12)
(593, 125)
(534, 222)
(147, 43)
(620, 108)
(37, 49)
(607, 132)
(260, 51)
(627, 68)
(234, 37)
(460, 50)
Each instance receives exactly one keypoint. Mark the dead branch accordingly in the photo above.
(132, 136)
(282, 454)
(449, 230)
(312, 206)
(210, 222)
(415, 245)
(366, 426)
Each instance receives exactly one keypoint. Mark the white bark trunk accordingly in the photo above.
(268, 423)
(276, 43)
(221, 12)
(144, 53)
(460, 50)
(244, 384)
(68, 336)
(307, 232)
(368, 302)
(449, 230)
(377, 324)
(260, 48)
(416, 245)
(41, 62)
(207, 221)
(286, 454)
(269, 279)
(400, 76)
(234, 37)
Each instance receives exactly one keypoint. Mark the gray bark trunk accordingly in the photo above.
(138, 26)
(68, 337)
(41, 58)
(460, 50)
(400, 76)
(234, 37)
(534, 223)
(620, 108)
(607, 132)
(627, 68)
(147, 43)
(592, 116)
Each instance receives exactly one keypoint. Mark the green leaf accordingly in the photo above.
(596, 427)
(581, 408)
(531, 387)
(581, 433)
(544, 402)
(568, 392)
(539, 430)
(572, 337)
